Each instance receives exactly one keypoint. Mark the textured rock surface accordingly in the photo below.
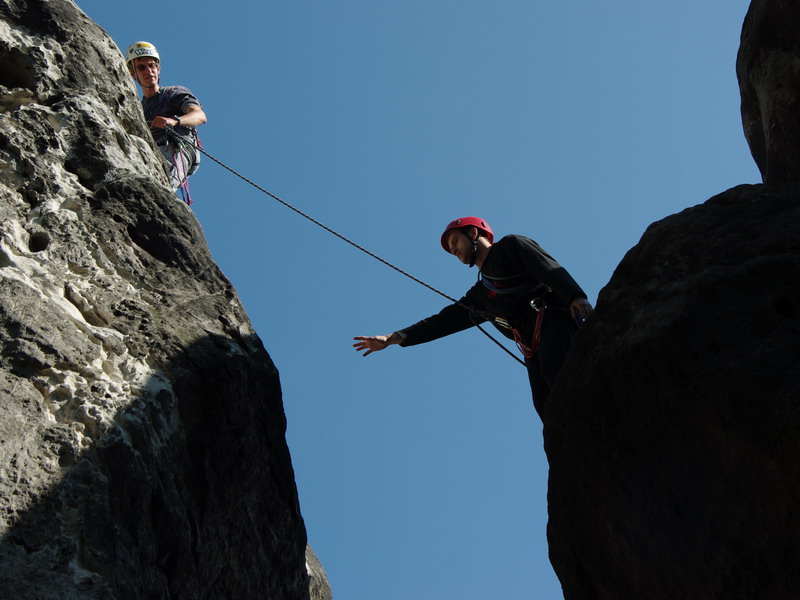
(317, 578)
(142, 449)
(768, 68)
(674, 433)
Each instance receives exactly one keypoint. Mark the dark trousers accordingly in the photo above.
(558, 331)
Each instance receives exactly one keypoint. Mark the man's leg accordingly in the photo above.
(558, 331)
(182, 163)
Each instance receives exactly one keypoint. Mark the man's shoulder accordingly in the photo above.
(173, 90)
(509, 238)
(179, 97)
(515, 246)
(512, 239)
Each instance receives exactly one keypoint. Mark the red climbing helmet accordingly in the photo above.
(466, 222)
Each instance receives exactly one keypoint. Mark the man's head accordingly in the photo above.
(461, 238)
(144, 63)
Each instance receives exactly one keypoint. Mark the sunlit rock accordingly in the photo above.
(142, 447)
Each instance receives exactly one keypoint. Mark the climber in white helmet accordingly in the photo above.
(172, 114)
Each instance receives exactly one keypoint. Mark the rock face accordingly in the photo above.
(142, 447)
(768, 67)
(673, 434)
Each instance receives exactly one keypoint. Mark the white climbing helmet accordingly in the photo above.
(139, 50)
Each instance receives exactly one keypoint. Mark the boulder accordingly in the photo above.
(673, 433)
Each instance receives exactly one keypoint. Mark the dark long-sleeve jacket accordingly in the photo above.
(515, 271)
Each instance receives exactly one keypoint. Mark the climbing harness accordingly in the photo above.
(181, 163)
(538, 304)
(472, 310)
(528, 350)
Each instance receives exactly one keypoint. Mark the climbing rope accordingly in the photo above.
(181, 165)
(486, 315)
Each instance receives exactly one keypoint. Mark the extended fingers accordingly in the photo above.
(368, 344)
(362, 344)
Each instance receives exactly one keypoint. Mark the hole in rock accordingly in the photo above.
(16, 69)
(38, 242)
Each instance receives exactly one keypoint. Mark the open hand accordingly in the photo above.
(370, 344)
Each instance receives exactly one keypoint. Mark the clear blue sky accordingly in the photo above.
(421, 471)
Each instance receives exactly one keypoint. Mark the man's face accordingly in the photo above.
(460, 245)
(146, 71)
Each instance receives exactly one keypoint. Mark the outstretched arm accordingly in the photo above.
(451, 319)
(374, 343)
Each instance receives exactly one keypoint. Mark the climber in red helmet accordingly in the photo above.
(521, 289)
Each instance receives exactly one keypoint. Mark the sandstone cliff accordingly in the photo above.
(674, 433)
(142, 448)
(768, 68)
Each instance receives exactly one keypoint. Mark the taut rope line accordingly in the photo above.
(472, 309)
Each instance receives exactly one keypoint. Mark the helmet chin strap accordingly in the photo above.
(474, 253)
